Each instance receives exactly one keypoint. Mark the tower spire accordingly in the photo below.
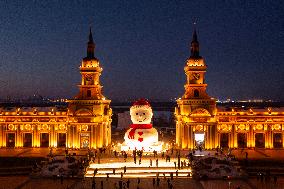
(91, 46)
(194, 47)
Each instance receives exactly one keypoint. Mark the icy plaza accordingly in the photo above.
(114, 168)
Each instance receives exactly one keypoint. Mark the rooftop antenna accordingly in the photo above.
(194, 23)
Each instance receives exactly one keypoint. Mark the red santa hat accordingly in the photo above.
(141, 102)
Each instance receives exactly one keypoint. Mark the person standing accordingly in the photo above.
(169, 182)
(154, 181)
(128, 183)
(158, 181)
(102, 184)
(61, 178)
(93, 184)
(275, 179)
(120, 184)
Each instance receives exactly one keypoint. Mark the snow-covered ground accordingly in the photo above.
(214, 167)
(58, 166)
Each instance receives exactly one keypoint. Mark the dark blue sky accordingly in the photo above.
(142, 46)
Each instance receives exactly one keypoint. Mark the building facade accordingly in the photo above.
(86, 123)
(199, 122)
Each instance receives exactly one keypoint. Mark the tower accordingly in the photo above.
(196, 110)
(89, 112)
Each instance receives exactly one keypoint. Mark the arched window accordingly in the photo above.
(89, 94)
(196, 93)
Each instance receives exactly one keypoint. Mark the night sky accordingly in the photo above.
(142, 47)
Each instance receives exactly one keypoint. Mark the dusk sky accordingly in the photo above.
(142, 47)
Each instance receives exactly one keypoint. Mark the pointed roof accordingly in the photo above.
(194, 37)
(91, 46)
(91, 36)
(194, 46)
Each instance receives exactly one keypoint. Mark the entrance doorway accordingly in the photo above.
(28, 139)
(242, 140)
(199, 140)
(44, 139)
(85, 140)
(10, 140)
(277, 140)
(259, 140)
(61, 140)
(224, 140)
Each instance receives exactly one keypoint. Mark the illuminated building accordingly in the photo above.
(84, 124)
(199, 122)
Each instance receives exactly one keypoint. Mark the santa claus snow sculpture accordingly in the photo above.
(141, 135)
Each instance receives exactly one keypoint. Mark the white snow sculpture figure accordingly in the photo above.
(141, 135)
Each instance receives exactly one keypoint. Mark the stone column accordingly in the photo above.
(77, 137)
(185, 138)
(282, 135)
(4, 135)
(95, 135)
(210, 136)
(183, 142)
(101, 134)
(190, 137)
(1, 135)
(92, 137)
(98, 135)
(236, 139)
(216, 139)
